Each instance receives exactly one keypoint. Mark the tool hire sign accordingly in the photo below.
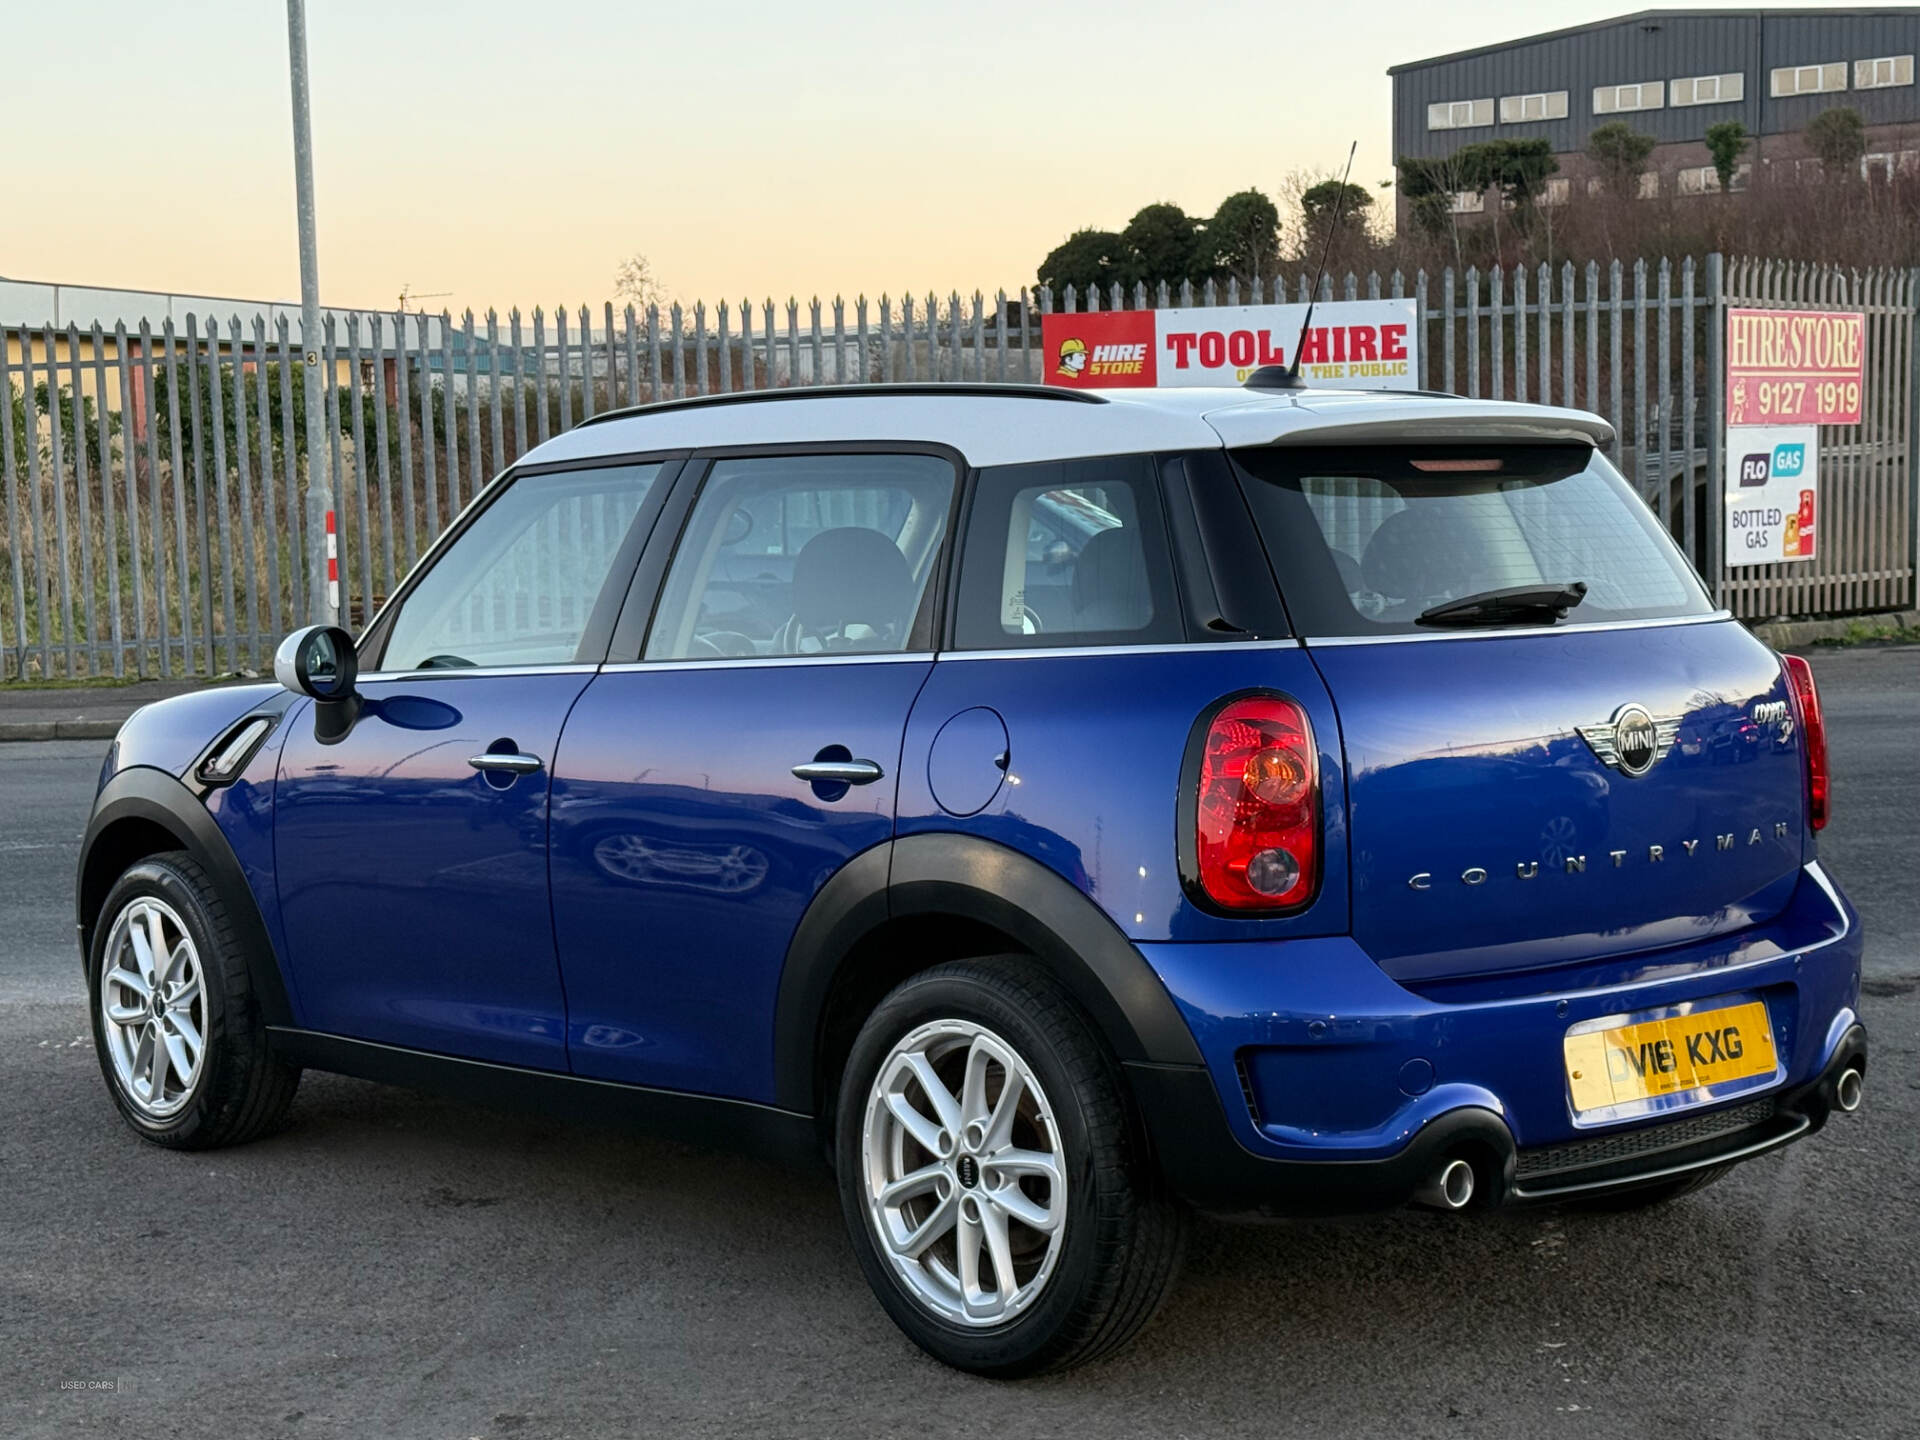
(1359, 344)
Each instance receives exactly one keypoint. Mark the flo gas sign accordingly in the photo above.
(1355, 344)
(1773, 493)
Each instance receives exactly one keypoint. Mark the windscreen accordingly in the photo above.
(1367, 540)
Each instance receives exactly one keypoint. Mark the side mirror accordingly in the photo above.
(319, 661)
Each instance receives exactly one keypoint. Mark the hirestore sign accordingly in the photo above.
(1773, 493)
(1795, 367)
(1354, 344)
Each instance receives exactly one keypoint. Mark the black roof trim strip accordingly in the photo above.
(841, 392)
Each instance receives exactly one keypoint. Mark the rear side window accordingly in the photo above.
(1068, 552)
(1364, 539)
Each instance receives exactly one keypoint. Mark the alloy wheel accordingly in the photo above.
(153, 1007)
(965, 1173)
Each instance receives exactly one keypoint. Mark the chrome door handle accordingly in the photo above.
(839, 772)
(513, 764)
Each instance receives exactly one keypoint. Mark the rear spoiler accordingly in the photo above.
(1556, 430)
(1410, 422)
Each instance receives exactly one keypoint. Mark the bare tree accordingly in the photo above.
(635, 282)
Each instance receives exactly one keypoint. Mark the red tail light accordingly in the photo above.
(1257, 820)
(1813, 736)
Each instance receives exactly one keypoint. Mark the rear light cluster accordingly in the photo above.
(1257, 821)
(1813, 736)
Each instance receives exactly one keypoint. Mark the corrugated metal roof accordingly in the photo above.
(1649, 16)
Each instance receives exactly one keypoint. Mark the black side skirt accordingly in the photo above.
(741, 1125)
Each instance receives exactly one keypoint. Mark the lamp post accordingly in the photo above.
(323, 578)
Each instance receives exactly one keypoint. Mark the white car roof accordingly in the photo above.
(1010, 425)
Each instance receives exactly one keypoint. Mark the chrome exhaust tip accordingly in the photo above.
(1846, 1090)
(1448, 1188)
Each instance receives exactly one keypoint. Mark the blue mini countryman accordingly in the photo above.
(1060, 810)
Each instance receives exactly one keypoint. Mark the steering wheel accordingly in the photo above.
(729, 644)
(445, 662)
(1030, 623)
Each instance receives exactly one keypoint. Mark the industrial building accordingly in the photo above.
(1670, 74)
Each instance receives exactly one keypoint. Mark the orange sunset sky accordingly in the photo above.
(512, 154)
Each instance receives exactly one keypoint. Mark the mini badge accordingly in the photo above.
(1632, 742)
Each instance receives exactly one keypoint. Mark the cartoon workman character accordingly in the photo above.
(1073, 358)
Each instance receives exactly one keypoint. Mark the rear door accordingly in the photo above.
(742, 747)
(1535, 791)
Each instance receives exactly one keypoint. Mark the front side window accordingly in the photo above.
(1067, 553)
(805, 555)
(519, 585)
(1367, 540)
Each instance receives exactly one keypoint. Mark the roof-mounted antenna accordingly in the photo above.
(1287, 377)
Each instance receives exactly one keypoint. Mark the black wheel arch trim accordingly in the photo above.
(971, 878)
(154, 798)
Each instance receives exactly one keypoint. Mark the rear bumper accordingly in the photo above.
(1209, 1169)
(1328, 1088)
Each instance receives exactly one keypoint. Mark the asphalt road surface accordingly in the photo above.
(396, 1266)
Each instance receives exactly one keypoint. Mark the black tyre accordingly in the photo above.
(1648, 1196)
(997, 1194)
(175, 1022)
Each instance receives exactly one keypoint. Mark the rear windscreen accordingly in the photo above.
(1364, 539)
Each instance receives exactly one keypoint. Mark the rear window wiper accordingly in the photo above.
(1517, 602)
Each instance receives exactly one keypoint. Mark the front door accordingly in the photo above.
(412, 855)
(708, 788)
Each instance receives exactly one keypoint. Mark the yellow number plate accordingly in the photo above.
(1662, 1057)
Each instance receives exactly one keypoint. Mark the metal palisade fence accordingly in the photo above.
(154, 480)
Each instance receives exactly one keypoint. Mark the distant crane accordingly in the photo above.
(407, 293)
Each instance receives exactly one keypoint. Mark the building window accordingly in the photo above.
(1516, 109)
(1879, 74)
(1705, 180)
(1559, 190)
(1707, 90)
(1650, 185)
(1459, 114)
(1468, 202)
(1810, 79)
(1614, 99)
(1885, 164)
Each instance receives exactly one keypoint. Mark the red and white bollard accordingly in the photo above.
(333, 568)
